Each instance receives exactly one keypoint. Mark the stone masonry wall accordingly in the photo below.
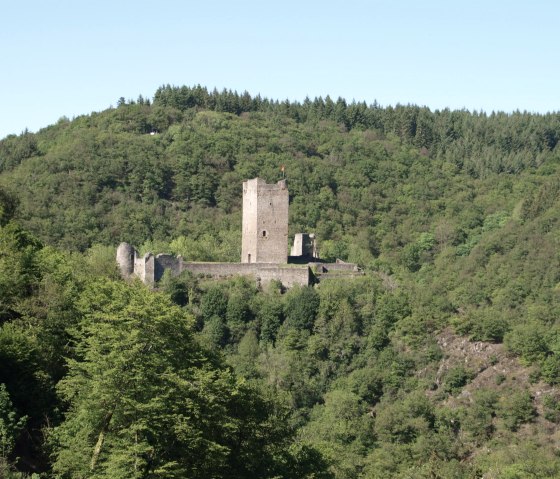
(249, 222)
(264, 245)
(265, 222)
(304, 245)
(289, 276)
(167, 262)
(264, 273)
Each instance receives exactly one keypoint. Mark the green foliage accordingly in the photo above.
(145, 400)
(10, 426)
(455, 379)
(414, 254)
(516, 409)
(404, 421)
(23, 370)
(527, 458)
(270, 317)
(245, 362)
(18, 268)
(482, 325)
(238, 315)
(341, 429)
(215, 333)
(182, 289)
(100, 261)
(528, 341)
(214, 303)
(478, 422)
(453, 216)
(8, 206)
(301, 307)
(550, 370)
(391, 308)
(551, 407)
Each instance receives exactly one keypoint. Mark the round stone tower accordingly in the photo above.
(125, 259)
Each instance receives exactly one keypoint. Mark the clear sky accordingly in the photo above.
(72, 57)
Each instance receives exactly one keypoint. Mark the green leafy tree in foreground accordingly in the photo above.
(146, 401)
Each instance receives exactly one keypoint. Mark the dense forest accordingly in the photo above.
(442, 361)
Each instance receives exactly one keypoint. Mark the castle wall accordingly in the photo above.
(264, 273)
(220, 270)
(139, 265)
(265, 222)
(149, 269)
(168, 262)
(289, 276)
(264, 245)
(304, 245)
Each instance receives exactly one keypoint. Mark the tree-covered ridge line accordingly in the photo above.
(419, 125)
(458, 238)
(508, 133)
(113, 181)
(438, 131)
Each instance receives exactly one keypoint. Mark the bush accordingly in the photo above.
(484, 325)
(550, 370)
(527, 341)
(500, 378)
(214, 303)
(551, 407)
(516, 409)
(455, 379)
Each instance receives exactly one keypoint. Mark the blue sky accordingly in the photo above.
(67, 58)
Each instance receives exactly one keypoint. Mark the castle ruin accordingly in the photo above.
(265, 222)
(264, 247)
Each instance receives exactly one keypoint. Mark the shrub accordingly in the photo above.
(455, 379)
(516, 409)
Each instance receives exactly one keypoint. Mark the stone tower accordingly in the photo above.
(265, 222)
(126, 256)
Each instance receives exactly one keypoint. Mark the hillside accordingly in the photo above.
(442, 361)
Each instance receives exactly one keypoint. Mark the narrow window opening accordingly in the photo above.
(264, 234)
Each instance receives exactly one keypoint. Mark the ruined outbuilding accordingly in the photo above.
(264, 249)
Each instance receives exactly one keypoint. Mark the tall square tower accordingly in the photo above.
(265, 222)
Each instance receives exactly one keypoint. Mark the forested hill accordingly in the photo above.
(442, 361)
(103, 178)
